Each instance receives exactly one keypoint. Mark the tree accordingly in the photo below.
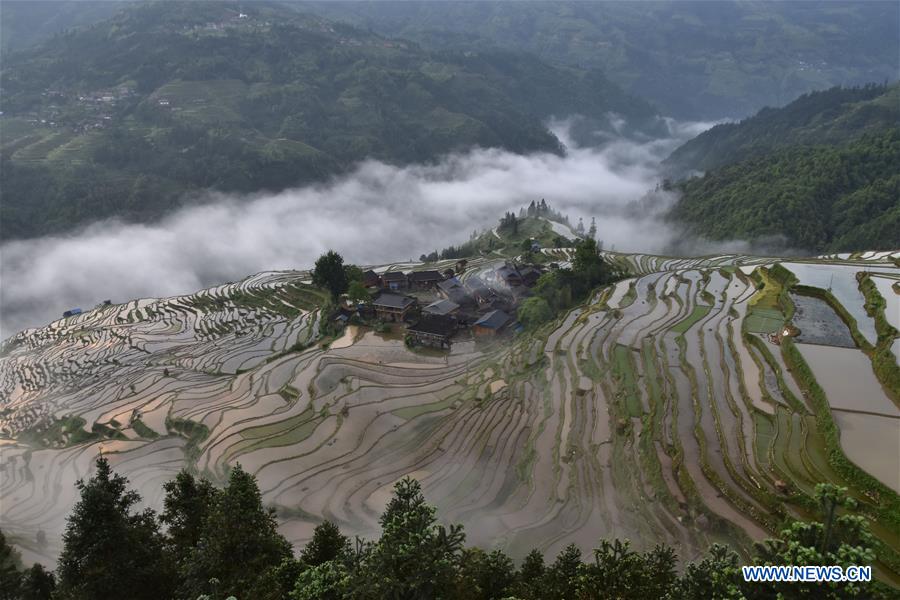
(530, 577)
(37, 583)
(329, 273)
(415, 557)
(839, 539)
(562, 579)
(484, 576)
(239, 543)
(186, 507)
(716, 576)
(534, 312)
(357, 293)
(589, 267)
(353, 273)
(107, 548)
(331, 580)
(327, 544)
(592, 230)
(9, 570)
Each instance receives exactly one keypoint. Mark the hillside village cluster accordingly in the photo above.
(436, 305)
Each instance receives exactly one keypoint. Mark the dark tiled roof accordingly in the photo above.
(394, 276)
(393, 301)
(434, 325)
(425, 276)
(493, 320)
(449, 285)
(441, 307)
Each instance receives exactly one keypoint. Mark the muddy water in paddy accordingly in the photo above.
(841, 281)
(848, 380)
(819, 324)
(873, 443)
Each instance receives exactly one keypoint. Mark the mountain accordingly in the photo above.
(25, 23)
(821, 174)
(828, 117)
(666, 407)
(124, 117)
(694, 60)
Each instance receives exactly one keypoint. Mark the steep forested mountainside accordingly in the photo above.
(25, 23)
(828, 117)
(817, 198)
(695, 60)
(123, 117)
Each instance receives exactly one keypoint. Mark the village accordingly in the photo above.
(432, 307)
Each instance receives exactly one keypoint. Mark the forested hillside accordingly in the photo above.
(123, 117)
(831, 117)
(695, 60)
(24, 23)
(817, 198)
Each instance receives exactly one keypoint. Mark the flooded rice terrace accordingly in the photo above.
(819, 324)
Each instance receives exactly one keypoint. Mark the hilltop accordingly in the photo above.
(123, 117)
(829, 117)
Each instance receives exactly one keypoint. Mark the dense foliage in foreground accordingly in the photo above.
(212, 543)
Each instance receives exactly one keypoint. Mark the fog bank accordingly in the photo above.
(378, 213)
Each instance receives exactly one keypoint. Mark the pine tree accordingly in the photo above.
(592, 231)
(108, 549)
(326, 544)
(415, 557)
(37, 583)
(579, 229)
(186, 507)
(239, 543)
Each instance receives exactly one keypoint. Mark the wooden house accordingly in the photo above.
(393, 308)
(424, 280)
(394, 280)
(371, 279)
(433, 330)
(442, 308)
(491, 323)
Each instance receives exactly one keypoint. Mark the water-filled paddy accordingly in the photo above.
(848, 380)
(873, 443)
(840, 280)
(819, 324)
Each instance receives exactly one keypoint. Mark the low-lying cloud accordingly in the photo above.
(378, 213)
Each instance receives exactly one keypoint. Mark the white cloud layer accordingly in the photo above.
(376, 214)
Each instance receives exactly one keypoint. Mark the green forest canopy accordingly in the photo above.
(123, 117)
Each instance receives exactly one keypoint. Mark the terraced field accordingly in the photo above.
(656, 411)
